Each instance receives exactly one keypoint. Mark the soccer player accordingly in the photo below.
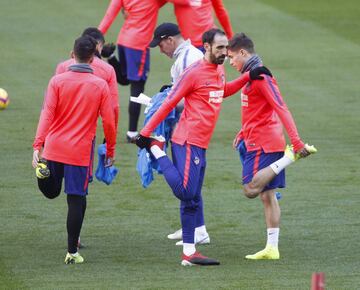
(101, 68)
(196, 18)
(171, 43)
(203, 87)
(133, 41)
(66, 130)
(261, 140)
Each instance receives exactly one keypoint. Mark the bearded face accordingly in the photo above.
(218, 49)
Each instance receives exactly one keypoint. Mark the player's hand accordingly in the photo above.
(36, 157)
(255, 74)
(236, 141)
(109, 161)
(107, 50)
(164, 87)
(141, 141)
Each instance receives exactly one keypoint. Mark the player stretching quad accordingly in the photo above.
(167, 36)
(66, 130)
(261, 141)
(203, 87)
(102, 70)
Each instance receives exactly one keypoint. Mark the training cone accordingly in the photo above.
(318, 281)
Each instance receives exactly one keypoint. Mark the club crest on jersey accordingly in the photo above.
(197, 160)
(244, 100)
(216, 97)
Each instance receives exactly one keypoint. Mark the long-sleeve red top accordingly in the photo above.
(203, 87)
(195, 17)
(68, 120)
(140, 21)
(104, 71)
(263, 113)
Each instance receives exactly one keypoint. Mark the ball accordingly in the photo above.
(4, 99)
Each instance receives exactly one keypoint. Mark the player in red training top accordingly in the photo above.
(261, 141)
(101, 69)
(196, 16)
(203, 87)
(133, 41)
(66, 131)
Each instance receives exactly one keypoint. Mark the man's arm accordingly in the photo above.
(181, 89)
(223, 17)
(110, 15)
(254, 74)
(236, 85)
(47, 115)
(107, 116)
(269, 90)
(114, 96)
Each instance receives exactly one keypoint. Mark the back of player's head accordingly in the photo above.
(208, 36)
(84, 48)
(241, 41)
(95, 33)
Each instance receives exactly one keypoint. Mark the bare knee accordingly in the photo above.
(249, 191)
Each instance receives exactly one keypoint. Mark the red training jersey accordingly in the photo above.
(203, 87)
(263, 114)
(104, 71)
(196, 18)
(140, 20)
(68, 120)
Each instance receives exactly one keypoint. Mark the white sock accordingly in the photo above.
(132, 134)
(273, 237)
(280, 164)
(188, 249)
(157, 152)
(200, 231)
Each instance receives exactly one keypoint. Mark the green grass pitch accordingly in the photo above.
(312, 47)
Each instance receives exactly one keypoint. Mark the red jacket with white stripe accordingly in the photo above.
(203, 87)
(263, 114)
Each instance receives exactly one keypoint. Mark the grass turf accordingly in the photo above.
(313, 52)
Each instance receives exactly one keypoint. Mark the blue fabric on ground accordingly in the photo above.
(105, 174)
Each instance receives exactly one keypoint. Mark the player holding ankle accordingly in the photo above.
(261, 141)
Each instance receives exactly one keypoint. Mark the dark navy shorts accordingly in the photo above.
(135, 63)
(253, 161)
(76, 177)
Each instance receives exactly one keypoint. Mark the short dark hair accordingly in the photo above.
(95, 33)
(241, 41)
(208, 36)
(84, 48)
